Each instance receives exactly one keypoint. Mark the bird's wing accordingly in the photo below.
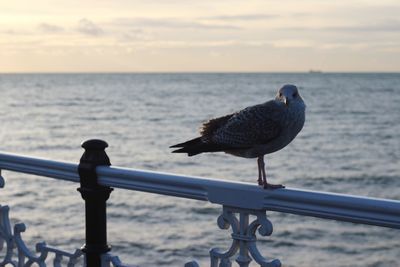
(251, 126)
(208, 128)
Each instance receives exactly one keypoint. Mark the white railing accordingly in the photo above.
(239, 200)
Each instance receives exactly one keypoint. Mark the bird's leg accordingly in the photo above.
(260, 163)
(264, 177)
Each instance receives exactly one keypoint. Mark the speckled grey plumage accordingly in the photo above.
(260, 129)
(253, 131)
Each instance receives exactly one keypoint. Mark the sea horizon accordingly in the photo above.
(210, 72)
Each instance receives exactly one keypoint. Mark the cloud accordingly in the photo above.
(15, 32)
(87, 27)
(382, 27)
(246, 17)
(301, 14)
(50, 28)
(388, 26)
(172, 23)
(134, 35)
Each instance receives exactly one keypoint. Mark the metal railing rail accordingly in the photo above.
(341, 207)
(237, 197)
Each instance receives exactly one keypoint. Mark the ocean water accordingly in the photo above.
(350, 144)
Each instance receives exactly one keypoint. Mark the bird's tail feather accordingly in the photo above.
(197, 146)
(188, 143)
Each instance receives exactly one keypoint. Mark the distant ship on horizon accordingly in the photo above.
(315, 71)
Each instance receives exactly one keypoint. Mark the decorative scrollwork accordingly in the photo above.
(9, 242)
(27, 258)
(2, 182)
(108, 260)
(191, 264)
(6, 237)
(59, 255)
(244, 238)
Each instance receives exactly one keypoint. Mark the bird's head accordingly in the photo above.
(288, 94)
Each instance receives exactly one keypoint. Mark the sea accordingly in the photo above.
(350, 144)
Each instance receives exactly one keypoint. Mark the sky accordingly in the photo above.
(199, 36)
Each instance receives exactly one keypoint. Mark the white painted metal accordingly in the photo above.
(244, 240)
(18, 254)
(6, 238)
(109, 260)
(356, 209)
(380, 212)
(1, 180)
(39, 166)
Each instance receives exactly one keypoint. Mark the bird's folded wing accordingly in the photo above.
(209, 127)
(254, 125)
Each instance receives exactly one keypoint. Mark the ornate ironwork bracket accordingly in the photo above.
(11, 244)
(108, 260)
(24, 256)
(6, 237)
(244, 238)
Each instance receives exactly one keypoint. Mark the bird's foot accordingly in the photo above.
(273, 186)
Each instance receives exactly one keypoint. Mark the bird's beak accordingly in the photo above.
(286, 101)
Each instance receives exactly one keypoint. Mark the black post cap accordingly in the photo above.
(94, 144)
(95, 153)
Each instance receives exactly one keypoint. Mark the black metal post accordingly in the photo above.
(95, 197)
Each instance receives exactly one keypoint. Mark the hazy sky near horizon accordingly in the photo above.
(172, 35)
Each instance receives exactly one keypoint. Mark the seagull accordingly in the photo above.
(252, 132)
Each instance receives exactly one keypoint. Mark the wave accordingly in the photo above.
(384, 186)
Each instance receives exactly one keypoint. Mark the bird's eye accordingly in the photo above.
(295, 94)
